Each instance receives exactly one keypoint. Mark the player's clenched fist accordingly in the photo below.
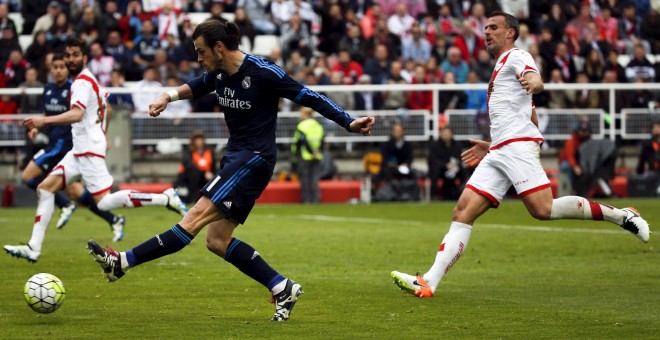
(363, 125)
(159, 105)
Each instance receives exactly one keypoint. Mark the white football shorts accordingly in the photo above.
(92, 169)
(517, 164)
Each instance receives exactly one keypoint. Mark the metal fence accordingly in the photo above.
(557, 124)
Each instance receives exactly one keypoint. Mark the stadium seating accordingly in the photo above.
(18, 21)
(25, 40)
(264, 44)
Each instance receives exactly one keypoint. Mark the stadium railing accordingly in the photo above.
(421, 125)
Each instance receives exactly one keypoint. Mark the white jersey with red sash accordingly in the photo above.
(509, 105)
(89, 133)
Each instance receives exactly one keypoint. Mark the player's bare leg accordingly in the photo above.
(470, 206)
(542, 206)
(46, 205)
(33, 175)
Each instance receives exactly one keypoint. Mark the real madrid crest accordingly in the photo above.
(246, 82)
(65, 93)
(219, 76)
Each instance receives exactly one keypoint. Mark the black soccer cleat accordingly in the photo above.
(108, 259)
(285, 300)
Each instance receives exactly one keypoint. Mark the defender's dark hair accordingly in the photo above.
(214, 30)
(76, 42)
(58, 56)
(511, 22)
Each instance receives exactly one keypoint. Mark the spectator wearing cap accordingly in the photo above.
(415, 47)
(401, 21)
(367, 100)
(47, 20)
(454, 64)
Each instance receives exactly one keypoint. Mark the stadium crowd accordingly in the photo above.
(344, 42)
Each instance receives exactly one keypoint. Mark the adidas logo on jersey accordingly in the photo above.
(227, 204)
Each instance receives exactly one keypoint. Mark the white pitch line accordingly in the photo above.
(327, 218)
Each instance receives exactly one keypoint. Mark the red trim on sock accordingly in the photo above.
(533, 190)
(442, 247)
(596, 211)
(37, 219)
(101, 191)
(490, 197)
(136, 203)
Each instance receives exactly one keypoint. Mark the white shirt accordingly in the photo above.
(509, 105)
(102, 68)
(142, 99)
(89, 133)
(400, 25)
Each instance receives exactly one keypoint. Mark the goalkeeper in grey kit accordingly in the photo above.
(248, 89)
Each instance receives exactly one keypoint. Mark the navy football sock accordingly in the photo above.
(87, 200)
(248, 260)
(161, 245)
(60, 201)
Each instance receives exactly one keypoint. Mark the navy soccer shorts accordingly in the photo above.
(242, 178)
(48, 157)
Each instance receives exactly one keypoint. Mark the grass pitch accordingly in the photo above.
(518, 278)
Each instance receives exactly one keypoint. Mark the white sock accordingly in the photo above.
(450, 251)
(579, 208)
(123, 262)
(44, 214)
(279, 287)
(131, 199)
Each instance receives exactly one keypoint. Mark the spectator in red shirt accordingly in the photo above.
(608, 26)
(469, 43)
(568, 158)
(420, 100)
(349, 69)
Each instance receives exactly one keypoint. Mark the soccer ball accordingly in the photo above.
(44, 293)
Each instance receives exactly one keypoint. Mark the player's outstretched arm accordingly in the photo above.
(531, 82)
(157, 106)
(476, 153)
(69, 117)
(363, 125)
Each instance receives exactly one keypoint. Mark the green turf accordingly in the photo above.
(510, 283)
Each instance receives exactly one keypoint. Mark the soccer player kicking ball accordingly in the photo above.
(248, 89)
(512, 158)
(87, 117)
(55, 102)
